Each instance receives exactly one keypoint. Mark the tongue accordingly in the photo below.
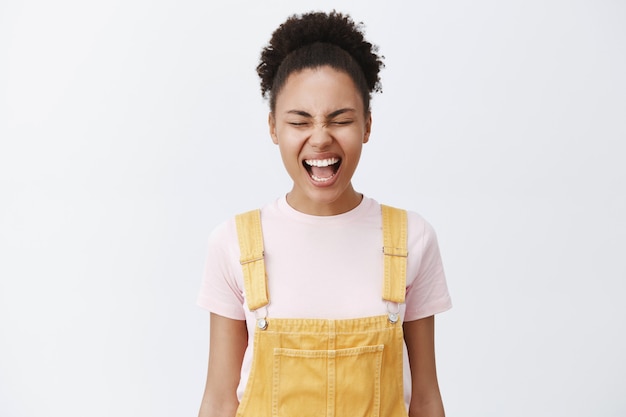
(323, 172)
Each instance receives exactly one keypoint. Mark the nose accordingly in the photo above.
(320, 138)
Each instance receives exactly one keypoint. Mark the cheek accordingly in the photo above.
(291, 141)
(354, 145)
(289, 151)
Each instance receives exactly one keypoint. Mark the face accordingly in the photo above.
(320, 126)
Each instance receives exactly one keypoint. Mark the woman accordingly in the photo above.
(354, 285)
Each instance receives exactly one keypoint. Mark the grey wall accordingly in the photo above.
(129, 129)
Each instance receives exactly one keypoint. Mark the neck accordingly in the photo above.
(348, 201)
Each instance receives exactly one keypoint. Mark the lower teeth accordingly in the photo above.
(318, 179)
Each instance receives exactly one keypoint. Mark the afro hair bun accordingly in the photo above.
(318, 27)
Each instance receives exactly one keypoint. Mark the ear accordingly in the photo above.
(368, 128)
(271, 121)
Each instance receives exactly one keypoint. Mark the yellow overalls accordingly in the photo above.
(325, 368)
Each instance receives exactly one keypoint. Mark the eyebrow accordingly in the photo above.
(330, 115)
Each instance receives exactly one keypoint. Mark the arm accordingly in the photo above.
(420, 341)
(228, 341)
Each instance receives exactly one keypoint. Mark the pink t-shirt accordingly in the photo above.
(326, 267)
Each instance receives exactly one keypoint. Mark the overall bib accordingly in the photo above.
(325, 368)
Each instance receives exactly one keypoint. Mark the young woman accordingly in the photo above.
(322, 302)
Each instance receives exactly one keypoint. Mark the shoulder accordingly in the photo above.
(418, 228)
(223, 232)
(227, 229)
(224, 235)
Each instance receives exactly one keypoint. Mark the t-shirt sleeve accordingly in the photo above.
(427, 290)
(221, 291)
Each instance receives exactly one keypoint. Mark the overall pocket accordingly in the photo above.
(331, 383)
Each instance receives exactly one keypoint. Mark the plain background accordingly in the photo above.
(129, 129)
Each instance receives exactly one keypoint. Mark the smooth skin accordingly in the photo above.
(419, 336)
(227, 343)
(319, 115)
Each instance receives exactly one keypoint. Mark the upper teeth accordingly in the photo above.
(321, 162)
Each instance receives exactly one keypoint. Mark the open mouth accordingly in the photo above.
(322, 170)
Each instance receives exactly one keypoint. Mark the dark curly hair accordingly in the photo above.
(315, 39)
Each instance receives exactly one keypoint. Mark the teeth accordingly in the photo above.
(318, 179)
(321, 162)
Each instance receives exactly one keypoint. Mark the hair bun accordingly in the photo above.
(333, 28)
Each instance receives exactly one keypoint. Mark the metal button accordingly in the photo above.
(261, 323)
(393, 318)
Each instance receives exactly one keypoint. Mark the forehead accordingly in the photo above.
(318, 90)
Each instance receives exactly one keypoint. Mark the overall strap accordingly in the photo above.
(395, 253)
(252, 262)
